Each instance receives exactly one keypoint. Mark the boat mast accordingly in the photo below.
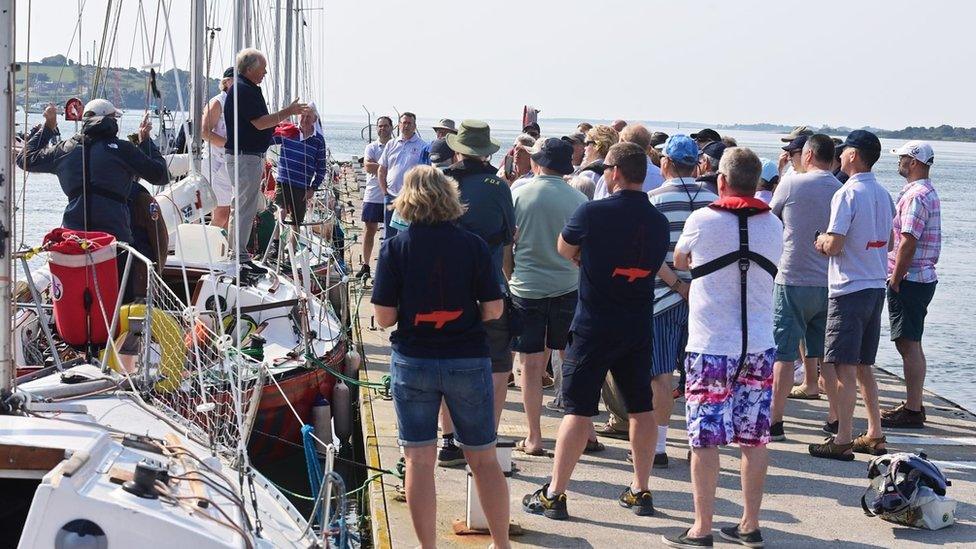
(276, 55)
(7, 42)
(198, 80)
(289, 42)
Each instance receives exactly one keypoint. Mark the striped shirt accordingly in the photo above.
(302, 162)
(919, 213)
(676, 199)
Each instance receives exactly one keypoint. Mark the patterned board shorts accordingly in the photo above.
(720, 412)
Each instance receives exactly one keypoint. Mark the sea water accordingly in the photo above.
(950, 338)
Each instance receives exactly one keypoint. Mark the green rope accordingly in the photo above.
(347, 494)
(382, 387)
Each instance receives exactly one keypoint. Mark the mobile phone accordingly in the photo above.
(816, 235)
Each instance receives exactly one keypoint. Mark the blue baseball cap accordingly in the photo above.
(715, 149)
(861, 139)
(769, 170)
(681, 149)
(555, 154)
(441, 155)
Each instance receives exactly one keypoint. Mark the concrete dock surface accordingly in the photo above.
(808, 502)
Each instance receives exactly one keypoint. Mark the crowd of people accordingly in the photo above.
(619, 256)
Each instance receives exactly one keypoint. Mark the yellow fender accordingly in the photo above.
(166, 333)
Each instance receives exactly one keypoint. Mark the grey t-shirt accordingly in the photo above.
(802, 201)
(862, 210)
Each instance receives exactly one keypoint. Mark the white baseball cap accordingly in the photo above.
(99, 107)
(919, 150)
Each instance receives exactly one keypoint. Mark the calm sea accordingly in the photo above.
(950, 338)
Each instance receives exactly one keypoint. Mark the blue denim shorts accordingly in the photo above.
(419, 384)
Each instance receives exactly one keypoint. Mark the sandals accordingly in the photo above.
(830, 450)
(608, 431)
(520, 447)
(800, 394)
(865, 445)
(594, 446)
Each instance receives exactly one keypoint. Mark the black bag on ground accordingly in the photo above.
(908, 489)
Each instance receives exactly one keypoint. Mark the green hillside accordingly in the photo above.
(56, 79)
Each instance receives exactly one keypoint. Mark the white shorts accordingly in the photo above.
(215, 170)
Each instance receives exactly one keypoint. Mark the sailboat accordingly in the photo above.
(147, 444)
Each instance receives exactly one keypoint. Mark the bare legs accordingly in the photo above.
(369, 235)
(500, 386)
(782, 385)
(914, 365)
(533, 365)
(663, 400)
(220, 217)
(571, 441)
(869, 391)
(704, 480)
(829, 374)
(848, 377)
(422, 498)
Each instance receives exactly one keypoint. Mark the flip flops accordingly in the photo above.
(800, 394)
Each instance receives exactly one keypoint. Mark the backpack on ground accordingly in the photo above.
(908, 489)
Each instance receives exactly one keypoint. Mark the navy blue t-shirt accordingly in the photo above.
(623, 240)
(435, 275)
(251, 104)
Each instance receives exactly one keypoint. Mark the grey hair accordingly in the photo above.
(584, 185)
(525, 140)
(248, 58)
(713, 163)
(742, 169)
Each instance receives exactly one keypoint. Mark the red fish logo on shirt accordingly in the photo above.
(876, 244)
(632, 273)
(438, 318)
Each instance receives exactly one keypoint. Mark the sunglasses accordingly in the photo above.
(588, 143)
(608, 166)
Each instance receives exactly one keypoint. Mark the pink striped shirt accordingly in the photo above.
(919, 213)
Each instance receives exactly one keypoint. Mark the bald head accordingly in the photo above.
(619, 124)
(638, 135)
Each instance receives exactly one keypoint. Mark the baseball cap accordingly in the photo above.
(99, 107)
(555, 154)
(707, 134)
(769, 170)
(575, 138)
(919, 150)
(861, 139)
(440, 153)
(658, 138)
(532, 127)
(797, 132)
(715, 149)
(681, 149)
(796, 144)
(229, 72)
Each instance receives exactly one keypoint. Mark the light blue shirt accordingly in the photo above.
(398, 157)
(652, 180)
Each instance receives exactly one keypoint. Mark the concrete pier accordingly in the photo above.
(808, 502)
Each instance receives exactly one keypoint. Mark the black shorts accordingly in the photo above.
(499, 343)
(372, 212)
(907, 309)
(587, 362)
(854, 327)
(544, 322)
(292, 199)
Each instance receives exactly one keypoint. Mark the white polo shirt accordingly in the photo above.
(372, 193)
(398, 157)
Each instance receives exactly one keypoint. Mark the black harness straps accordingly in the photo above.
(744, 257)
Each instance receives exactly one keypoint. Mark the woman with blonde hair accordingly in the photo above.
(597, 145)
(435, 282)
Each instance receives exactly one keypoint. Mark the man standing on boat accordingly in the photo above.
(731, 249)
(250, 128)
(373, 195)
(399, 155)
(911, 274)
(857, 242)
(619, 243)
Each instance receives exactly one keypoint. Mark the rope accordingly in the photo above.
(311, 460)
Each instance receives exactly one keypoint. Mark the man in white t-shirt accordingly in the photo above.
(857, 242)
(373, 213)
(729, 388)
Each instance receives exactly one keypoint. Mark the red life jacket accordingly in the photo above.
(743, 207)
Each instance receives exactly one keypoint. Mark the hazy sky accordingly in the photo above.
(889, 63)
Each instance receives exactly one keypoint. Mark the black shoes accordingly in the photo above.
(538, 504)
(830, 427)
(253, 267)
(364, 272)
(901, 417)
(683, 540)
(641, 503)
(660, 460)
(749, 539)
(776, 433)
(450, 454)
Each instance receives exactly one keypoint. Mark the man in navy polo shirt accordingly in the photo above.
(249, 131)
(619, 243)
